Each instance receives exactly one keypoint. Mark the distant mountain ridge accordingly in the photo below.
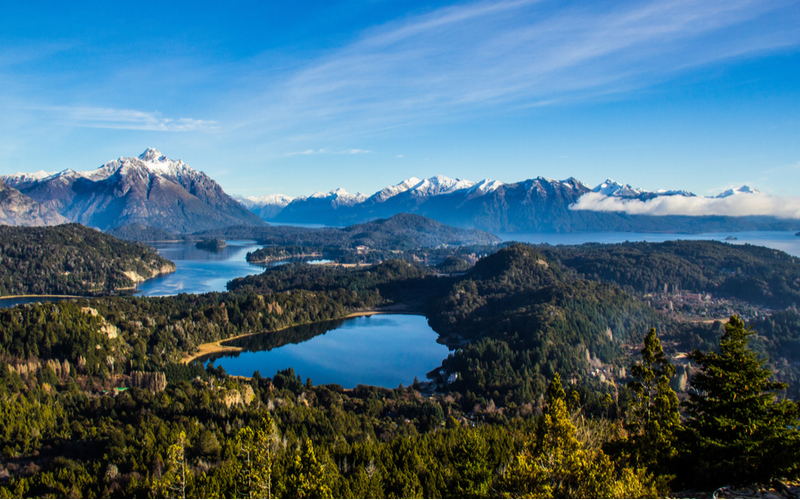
(534, 205)
(16, 209)
(149, 189)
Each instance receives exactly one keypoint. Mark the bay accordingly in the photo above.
(384, 350)
(200, 271)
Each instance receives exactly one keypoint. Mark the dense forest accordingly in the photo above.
(555, 386)
(72, 259)
(751, 273)
(193, 432)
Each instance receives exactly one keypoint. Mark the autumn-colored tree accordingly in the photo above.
(173, 483)
(556, 464)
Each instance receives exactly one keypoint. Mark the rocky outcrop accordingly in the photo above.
(16, 209)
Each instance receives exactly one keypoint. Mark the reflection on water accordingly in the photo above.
(15, 301)
(200, 271)
(779, 240)
(384, 350)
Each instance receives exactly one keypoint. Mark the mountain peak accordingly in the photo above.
(151, 155)
(742, 190)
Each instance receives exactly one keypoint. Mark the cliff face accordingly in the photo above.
(149, 189)
(16, 209)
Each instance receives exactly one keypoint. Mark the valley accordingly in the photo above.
(191, 336)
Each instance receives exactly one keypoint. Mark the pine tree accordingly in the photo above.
(655, 419)
(254, 450)
(741, 431)
(307, 477)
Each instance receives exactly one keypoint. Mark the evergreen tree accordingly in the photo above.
(740, 430)
(655, 418)
(254, 449)
(555, 464)
(307, 477)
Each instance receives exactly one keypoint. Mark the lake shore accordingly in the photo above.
(216, 347)
(43, 296)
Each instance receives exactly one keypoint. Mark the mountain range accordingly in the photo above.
(156, 192)
(149, 189)
(533, 205)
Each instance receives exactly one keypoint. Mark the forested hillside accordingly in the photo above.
(72, 259)
(556, 388)
(751, 273)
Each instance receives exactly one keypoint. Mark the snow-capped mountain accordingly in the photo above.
(610, 187)
(338, 198)
(149, 189)
(267, 206)
(533, 205)
(738, 191)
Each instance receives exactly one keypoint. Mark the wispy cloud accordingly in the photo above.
(468, 58)
(352, 151)
(126, 119)
(787, 207)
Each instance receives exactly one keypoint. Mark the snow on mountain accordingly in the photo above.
(611, 187)
(440, 184)
(390, 191)
(338, 197)
(148, 189)
(151, 161)
(738, 191)
(278, 200)
(485, 186)
(24, 177)
(673, 192)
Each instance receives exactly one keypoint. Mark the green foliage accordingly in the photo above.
(308, 478)
(655, 418)
(738, 431)
(254, 450)
(71, 259)
(555, 464)
(756, 274)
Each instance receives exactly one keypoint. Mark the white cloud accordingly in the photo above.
(305, 152)
(352, 151)
(464, 58)
(126, 119)
(786, 207)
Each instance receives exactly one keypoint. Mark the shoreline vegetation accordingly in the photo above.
(278, 258)
(33, 296)
(216, 347)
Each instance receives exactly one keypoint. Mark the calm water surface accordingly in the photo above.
(200, 271)
(383, 350)
(779, 240)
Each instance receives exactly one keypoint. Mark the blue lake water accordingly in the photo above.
(383, 350)
(200, 271)
(779, 240)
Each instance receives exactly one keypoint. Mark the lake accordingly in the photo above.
(385, 350)
(200, 271)
(779, 240)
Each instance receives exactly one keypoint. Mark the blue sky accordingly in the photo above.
(311, 96)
